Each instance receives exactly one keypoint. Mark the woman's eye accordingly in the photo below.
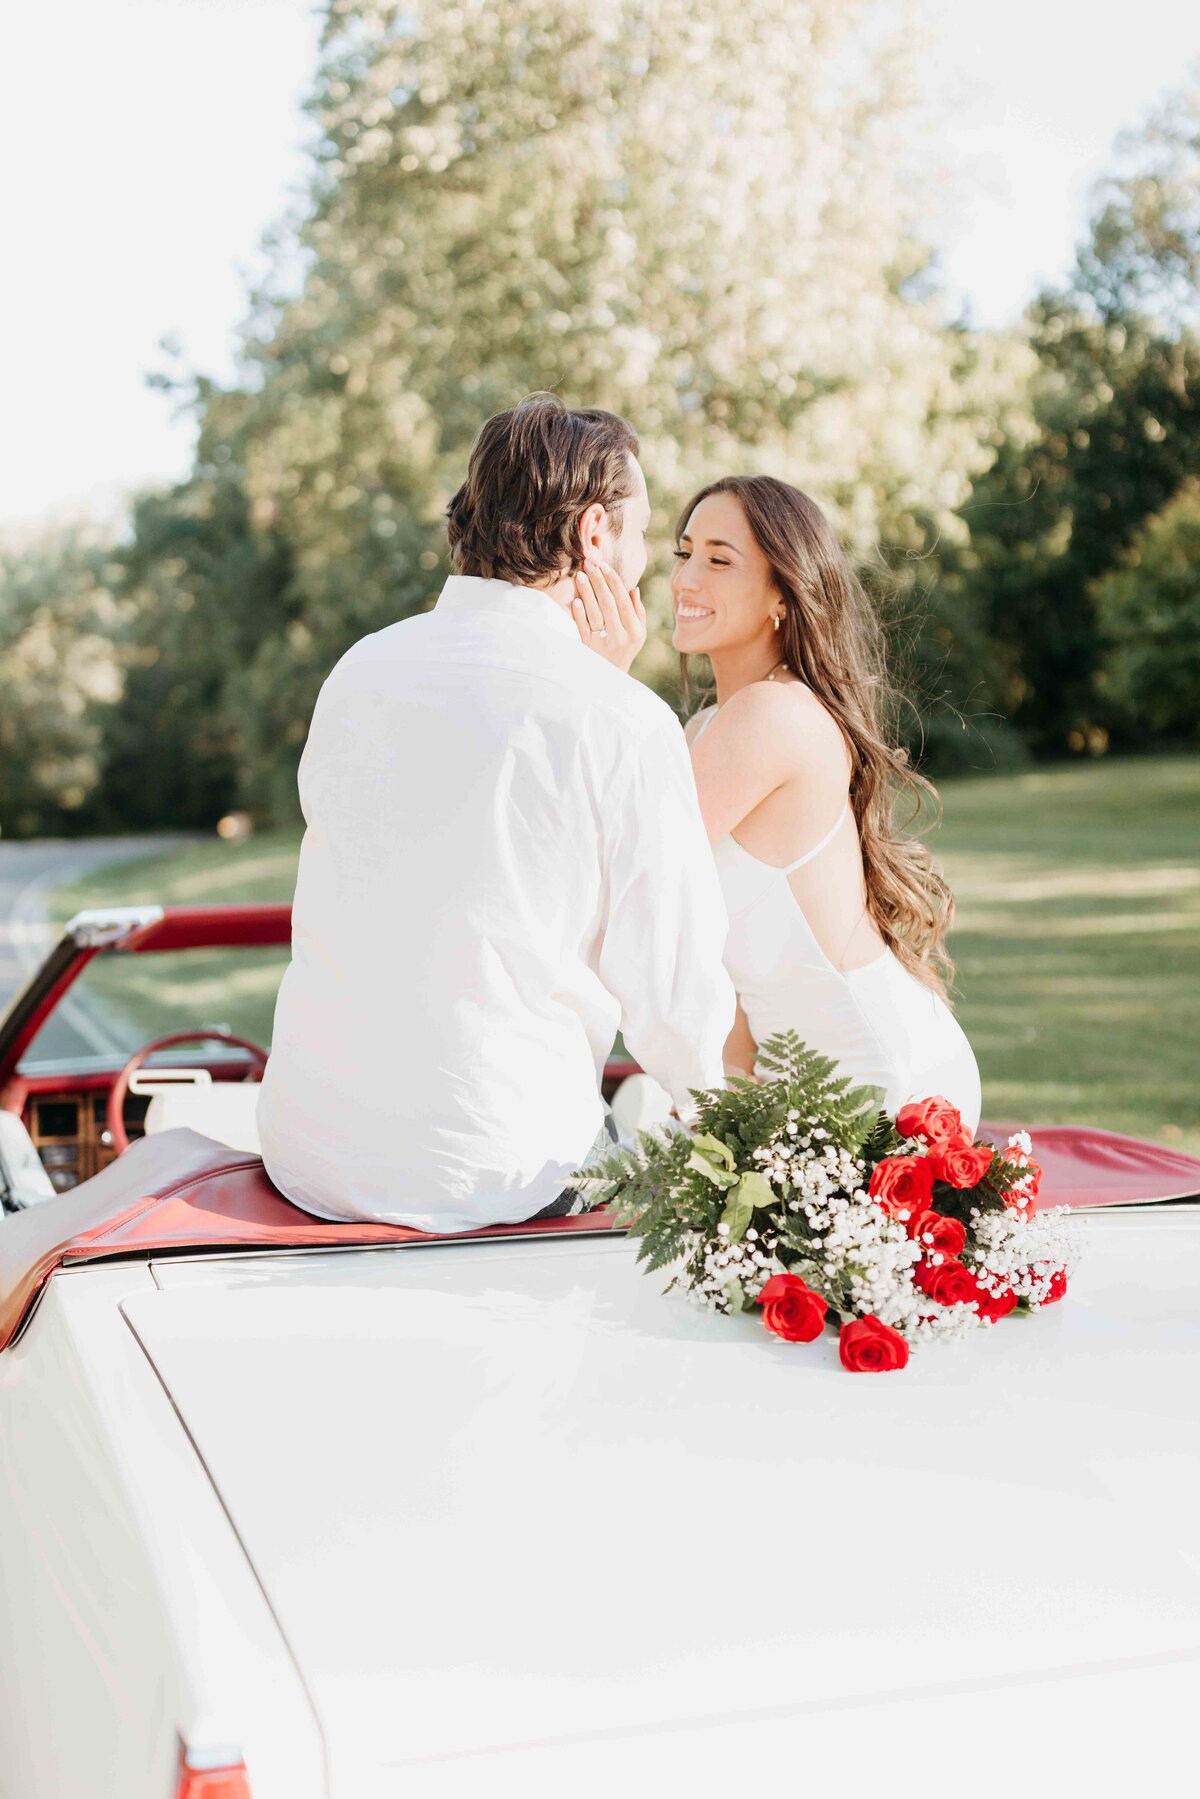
(717, 563)
(680, 555)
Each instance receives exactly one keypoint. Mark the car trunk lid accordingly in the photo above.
(506, 1501)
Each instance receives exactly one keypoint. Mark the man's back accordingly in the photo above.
(502, 850)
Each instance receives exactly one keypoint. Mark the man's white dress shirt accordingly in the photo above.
(504, 862)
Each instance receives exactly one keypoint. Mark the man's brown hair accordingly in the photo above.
(533, 470)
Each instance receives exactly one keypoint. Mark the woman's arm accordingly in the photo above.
(737, 761)
(762, 737)
(740, 1047)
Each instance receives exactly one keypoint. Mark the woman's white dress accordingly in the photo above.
(878, 1023)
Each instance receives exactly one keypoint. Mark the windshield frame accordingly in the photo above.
(136, 930)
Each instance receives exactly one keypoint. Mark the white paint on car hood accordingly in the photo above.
(511, 1506)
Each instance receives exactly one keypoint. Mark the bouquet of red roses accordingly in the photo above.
(799, 1198)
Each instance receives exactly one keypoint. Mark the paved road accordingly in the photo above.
(28, 871)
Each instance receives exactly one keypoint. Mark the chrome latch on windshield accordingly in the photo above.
(101, 926)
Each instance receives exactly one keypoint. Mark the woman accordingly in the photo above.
(837, 925)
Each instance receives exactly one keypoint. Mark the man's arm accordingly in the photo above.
(665, 923)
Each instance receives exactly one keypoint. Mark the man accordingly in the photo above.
(504, 861)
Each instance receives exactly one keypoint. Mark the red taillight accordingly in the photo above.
(229, 1781)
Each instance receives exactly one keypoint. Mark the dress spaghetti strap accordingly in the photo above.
(824, 843)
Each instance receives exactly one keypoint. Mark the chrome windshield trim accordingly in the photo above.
(98, 927)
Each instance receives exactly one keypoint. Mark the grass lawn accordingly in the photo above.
(1077, 941)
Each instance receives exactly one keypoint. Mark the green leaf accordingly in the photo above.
(755, 1190)
(714, 1149)
(720, 1177)
(868, 1099)
(737, 1215)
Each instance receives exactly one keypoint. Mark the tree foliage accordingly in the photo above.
(705, 215)
(201, 590)
(59, 676)
(698, 214)
(1149, 613)
(1116, 405)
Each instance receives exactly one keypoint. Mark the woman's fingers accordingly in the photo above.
(621, 599)
(587, 598)
(581, 623)
(614, 590)
(622, 606)
(606, 597)
(608, 617)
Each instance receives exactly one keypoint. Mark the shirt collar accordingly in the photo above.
(471, 593)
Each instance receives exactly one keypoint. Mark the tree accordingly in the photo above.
(1149, 611)
(1116, 402)
(59, 674)
(1143, 254)
(697, 212)
(200, 587)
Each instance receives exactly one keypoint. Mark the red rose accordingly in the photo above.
(902, 1185)
(934, 1231)
(792, 1310)
(934, 1119)
(1058, 1287)
(996, 1305)
(946, 1283)
(961, 1165)
(869, 1347)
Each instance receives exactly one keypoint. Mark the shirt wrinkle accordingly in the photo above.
(503, 863)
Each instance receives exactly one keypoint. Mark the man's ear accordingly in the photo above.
(590, 530)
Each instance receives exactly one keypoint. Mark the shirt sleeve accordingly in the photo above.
(665, 923)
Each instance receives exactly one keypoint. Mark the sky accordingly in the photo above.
(146, 145)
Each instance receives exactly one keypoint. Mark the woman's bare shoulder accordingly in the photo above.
(787, 712)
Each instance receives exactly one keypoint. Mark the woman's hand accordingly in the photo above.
(610, 620)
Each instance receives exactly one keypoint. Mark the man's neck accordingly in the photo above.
(562, 591)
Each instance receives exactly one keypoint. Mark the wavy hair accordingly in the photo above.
(533, 470)
(832, 639)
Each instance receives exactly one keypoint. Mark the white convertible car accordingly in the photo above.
(291, 1510)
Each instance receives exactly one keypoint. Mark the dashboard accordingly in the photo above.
(70, 1132)
(65, 1113)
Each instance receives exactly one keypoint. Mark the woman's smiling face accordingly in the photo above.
(722, 588)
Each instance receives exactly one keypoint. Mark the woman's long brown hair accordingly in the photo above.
(832, 639)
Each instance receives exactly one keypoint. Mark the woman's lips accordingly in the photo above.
(691, 614)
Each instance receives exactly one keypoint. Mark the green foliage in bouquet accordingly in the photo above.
(799, 1195)
(676, 1187)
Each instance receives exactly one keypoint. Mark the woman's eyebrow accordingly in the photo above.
(714, 543)
(720, 544)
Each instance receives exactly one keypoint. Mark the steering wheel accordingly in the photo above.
(120, 1087)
